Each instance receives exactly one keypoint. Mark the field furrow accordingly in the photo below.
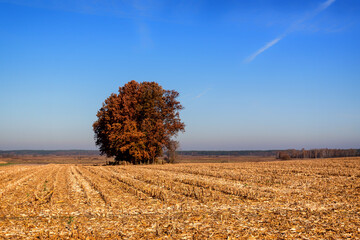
(62, 188)
(77, 193)
(141, 188)
(11, 174)
(112, 189)
(222, 185)
(92, 195)
(46, 186)
(184, 189)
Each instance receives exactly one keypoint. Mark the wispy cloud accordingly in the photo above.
(130, 9)
(146, 41)
(326, 4)
(292, 28)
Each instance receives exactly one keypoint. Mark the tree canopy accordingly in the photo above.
(136, 124)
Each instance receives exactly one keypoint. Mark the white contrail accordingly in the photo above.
(321, 8)
(202, 93)
(269, 44)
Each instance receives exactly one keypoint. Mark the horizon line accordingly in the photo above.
(194, 150)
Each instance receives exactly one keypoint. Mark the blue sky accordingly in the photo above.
(255, 74)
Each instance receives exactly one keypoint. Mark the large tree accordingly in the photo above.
(138, 123)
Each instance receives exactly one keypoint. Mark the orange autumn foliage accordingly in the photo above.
(137, 123)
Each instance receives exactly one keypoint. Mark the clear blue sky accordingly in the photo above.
(254, 74)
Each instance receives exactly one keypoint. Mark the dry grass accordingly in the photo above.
(266, 200)
(63, 159)
(101, 160)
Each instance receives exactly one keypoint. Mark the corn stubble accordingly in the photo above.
(308, 199)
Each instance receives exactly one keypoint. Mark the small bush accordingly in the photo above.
(284, 156)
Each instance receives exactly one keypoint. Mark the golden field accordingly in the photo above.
(303, 199)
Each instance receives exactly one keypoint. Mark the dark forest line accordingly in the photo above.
(289, 153)
(317, 153)
(260, 153)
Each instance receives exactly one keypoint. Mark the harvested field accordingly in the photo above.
(265, 200)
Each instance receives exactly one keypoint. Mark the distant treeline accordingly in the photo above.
(49, 152)
(259, 153)
(317, 153)
(290, 153)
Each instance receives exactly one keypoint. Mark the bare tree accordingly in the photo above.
(171, 151)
